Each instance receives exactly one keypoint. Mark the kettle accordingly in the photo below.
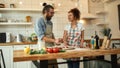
(19, 38)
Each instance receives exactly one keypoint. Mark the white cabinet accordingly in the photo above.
(8, 56)
(25, 64)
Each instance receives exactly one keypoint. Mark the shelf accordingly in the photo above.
(20, 9)
(88, 16)
(20, 23)
(101, 12)
(101, 24)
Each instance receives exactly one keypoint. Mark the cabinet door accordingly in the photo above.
(25, 64)
(8, 56)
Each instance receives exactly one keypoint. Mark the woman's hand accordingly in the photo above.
(60, 40)
(81, 45)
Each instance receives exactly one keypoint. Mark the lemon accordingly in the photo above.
(44, 48)
(26, 50)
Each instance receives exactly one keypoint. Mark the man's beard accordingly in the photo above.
(48, 18)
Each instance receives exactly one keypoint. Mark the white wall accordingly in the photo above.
(60, 17)
(112, 17)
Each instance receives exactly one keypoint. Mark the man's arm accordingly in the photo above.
(40, 31)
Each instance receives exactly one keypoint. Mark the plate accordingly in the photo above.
(68, 48)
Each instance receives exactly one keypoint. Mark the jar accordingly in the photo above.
(28, 18)
(12, 6)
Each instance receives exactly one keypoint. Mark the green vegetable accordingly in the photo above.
(61, 50)
(33, 52)
(42, 51)
(33, 34)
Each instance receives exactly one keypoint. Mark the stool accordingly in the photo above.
(1, 54)
(114, 46)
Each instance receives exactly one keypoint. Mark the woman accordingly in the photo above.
(73, 34)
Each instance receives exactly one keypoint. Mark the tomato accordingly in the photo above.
(50, 50)
(55, 50)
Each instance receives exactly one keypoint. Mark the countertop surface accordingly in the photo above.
(16, 43)
(28, 43)
(19, 55)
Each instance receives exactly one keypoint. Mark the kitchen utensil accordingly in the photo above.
(105, 38)
(108, 41)
(19, 38)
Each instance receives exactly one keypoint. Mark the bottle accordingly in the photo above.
(41, 44)
(96, 40)
(92, 42)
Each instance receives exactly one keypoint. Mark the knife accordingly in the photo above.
(108, 32)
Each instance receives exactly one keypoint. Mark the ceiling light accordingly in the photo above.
(59, 4)
(41, 4)
(20, 2)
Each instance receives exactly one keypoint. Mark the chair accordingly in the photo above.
(114, 46)
(1, 55)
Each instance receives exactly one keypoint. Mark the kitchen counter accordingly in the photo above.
(25, 43)
(19, 55)
(16, 43)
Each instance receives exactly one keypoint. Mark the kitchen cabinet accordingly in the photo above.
(26, 64)
(8, 56)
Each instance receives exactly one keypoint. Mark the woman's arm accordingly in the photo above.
(65, 35)
(82, 38)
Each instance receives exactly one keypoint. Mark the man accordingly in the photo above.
(43, 29)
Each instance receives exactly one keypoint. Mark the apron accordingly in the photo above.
(49, 34)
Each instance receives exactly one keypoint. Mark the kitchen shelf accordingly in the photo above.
(20, 23)
(101, 24)
(101, 12)
(88, 16)
(20, 9)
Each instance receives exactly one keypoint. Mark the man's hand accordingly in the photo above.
(57, 42)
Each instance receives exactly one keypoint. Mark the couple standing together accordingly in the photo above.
(73, 32)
